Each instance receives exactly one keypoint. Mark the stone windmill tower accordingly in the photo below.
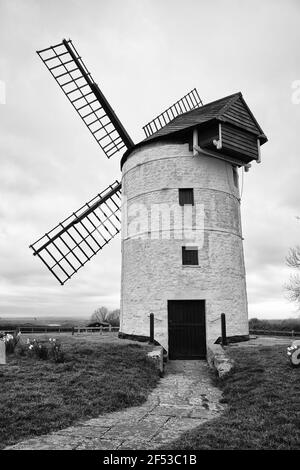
(182, 245)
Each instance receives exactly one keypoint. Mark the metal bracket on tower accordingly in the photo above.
(218, 143)
(195, 142)
(259, 152)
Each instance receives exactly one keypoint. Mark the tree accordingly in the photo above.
(114, 317)
(293, 288)
(100, 315)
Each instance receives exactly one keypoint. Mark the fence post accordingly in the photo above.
(151, 327)
(223, 329)
(109, 328)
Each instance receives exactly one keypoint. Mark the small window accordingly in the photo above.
(235, 176)
(186, 196)
(190, 255)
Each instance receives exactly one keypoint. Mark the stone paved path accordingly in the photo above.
(184, 398)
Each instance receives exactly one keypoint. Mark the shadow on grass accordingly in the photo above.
(38, 397)
(263, 398)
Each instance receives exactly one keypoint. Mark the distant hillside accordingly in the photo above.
(7, 323)
(288, 324)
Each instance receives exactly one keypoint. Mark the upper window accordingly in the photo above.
(190, 255)
(186, 196)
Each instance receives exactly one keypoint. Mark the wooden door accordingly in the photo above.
(186, 322)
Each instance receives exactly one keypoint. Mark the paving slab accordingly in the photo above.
(184, 398)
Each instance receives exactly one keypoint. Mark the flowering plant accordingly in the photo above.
(37, 348)
(44, 350)
(56, 351)
(293, 353)
(10, 340)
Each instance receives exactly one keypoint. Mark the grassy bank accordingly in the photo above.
(97, 377)
(263, 397)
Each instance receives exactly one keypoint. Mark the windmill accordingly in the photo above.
(206, 142)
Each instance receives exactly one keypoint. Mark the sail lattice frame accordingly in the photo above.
(188, 102)
(66, 66)
(72, 243)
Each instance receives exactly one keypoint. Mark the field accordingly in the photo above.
(263, 398)
(98, 376)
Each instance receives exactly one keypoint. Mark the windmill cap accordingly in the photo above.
(215, 110)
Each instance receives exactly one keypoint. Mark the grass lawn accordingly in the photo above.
(263, 397)
(38, 397)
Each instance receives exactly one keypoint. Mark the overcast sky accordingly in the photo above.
(144, 54)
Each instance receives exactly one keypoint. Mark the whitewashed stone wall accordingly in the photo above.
(152, 270)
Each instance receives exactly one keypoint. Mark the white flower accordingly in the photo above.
(30, 347)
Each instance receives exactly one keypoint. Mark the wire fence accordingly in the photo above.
(113, 329)
(71, 330)
(291, 333)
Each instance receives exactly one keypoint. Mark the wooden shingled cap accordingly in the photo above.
(232, 109)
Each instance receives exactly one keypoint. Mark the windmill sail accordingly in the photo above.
(69, 71)
(188, 102)
(73, 242)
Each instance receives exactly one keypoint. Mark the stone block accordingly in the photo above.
(218, 359)
(157, 357)
(2, 352)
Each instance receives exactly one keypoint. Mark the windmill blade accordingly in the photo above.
(73, 242)
(188, 102)
(69, 71)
